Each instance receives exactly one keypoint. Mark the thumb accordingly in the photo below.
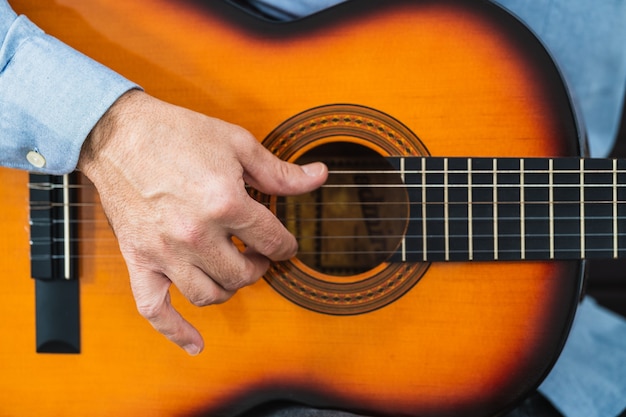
(271, 175)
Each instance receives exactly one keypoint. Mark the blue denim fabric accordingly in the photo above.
(589, 379)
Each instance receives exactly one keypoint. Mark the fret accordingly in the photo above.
(522, 210)
(538, 220)
(403, 179)
(567, 208)
(483, 209)
(508, 209)
(614, 211)
(599, 190)
(413, 173)
(446, 210)
(551, 200)
(581, 194)
(424, 211)
(494, 179)
(621, 207)
(459, 209)
(434, 179)
(470, 212)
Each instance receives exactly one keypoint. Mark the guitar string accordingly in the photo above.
(418, 172)
(46, 205)
(49, 186)
(474, 172)
(433, 254)
(433, 237)
(474, 185)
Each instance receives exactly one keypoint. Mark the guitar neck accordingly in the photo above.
(486, 209)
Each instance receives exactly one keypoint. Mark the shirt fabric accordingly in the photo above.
(51, 97)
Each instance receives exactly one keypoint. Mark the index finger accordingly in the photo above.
(262, 232)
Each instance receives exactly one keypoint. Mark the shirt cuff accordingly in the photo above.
(51, 96)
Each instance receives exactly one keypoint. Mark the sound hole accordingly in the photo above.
(356, 220)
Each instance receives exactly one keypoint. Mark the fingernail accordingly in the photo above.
(314, 169)
(192, 349)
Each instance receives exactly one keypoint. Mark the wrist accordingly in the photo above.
(101, 138)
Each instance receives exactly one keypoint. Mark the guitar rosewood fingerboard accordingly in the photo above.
(485, 209)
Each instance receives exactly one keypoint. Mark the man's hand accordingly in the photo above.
(172, 183)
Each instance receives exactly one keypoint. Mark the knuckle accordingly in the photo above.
(241, 135)
(205, 299)
(248, 275)
(274, 243)
(278, 246)
(186, 232)
(224, 205)
(234, 285)
(148, 310)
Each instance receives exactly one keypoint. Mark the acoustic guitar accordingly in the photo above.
(439, 268)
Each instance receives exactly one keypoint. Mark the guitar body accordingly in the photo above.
(466, 339)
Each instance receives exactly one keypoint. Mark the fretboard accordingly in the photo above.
(464, 209)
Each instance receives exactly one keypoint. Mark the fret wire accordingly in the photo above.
(522, 212)
(402, 177)
(494, 179)
(615, 241)
(446, 214)
(424, 222)
(470, 213)
(582, 208)
(551, 204)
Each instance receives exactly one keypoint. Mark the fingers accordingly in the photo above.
(185, 236)
(226, 267)
(151, 292)
(271, 175)
(264, 234)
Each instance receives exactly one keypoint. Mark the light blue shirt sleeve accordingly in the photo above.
(51, 96)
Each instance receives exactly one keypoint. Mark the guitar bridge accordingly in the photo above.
(53, 249)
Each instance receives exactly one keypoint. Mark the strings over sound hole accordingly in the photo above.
(356, 220)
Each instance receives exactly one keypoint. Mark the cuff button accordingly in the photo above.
(36, 159)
